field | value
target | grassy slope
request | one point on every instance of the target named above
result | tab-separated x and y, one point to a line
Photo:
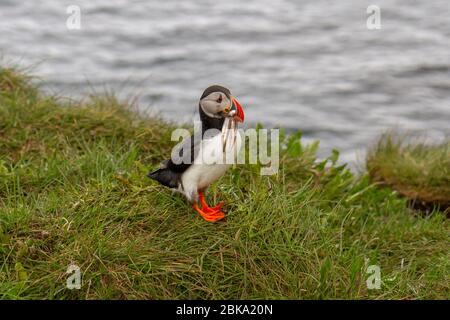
73	190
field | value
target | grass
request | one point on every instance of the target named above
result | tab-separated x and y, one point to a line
417	171
73	190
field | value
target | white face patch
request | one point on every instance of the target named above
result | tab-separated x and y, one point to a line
214	103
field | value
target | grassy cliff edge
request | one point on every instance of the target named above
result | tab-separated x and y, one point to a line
73	190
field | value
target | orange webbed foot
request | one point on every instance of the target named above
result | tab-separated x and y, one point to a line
210	216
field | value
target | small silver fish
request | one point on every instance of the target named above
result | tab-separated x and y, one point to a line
229	131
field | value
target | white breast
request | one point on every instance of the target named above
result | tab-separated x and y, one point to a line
209	165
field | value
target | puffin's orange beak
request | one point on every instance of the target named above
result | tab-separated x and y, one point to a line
239	117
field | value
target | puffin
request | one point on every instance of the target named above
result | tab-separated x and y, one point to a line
202	159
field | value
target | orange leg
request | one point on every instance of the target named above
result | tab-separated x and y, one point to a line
206	207
210	214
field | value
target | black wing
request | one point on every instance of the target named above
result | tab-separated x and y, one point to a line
169	173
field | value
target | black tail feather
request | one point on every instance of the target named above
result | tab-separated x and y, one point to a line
166	177
153	175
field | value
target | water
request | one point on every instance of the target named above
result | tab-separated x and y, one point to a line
303	65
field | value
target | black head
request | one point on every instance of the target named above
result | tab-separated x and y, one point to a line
215	105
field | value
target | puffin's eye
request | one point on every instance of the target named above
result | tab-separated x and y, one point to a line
219	99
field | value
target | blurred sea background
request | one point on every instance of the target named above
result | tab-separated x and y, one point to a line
302	65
